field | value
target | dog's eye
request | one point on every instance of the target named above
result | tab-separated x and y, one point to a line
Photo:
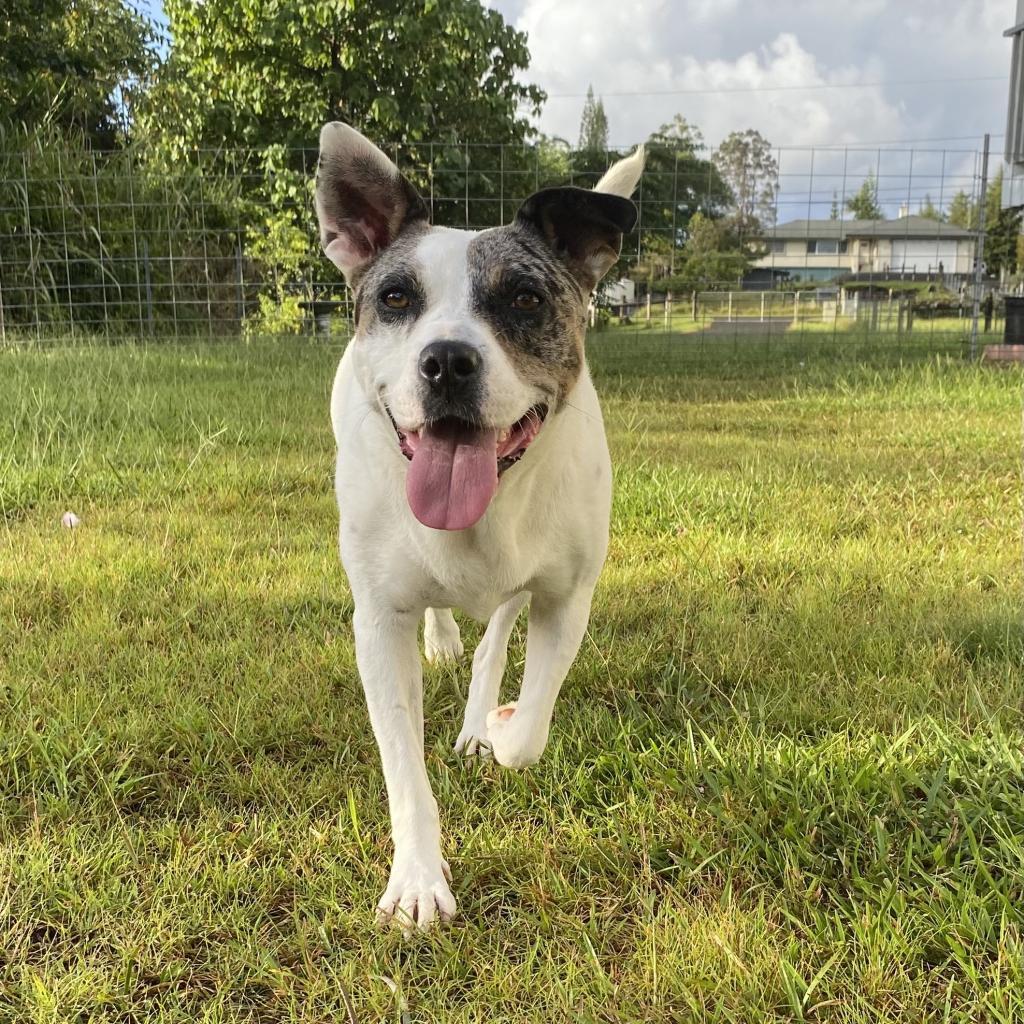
395	298
526	302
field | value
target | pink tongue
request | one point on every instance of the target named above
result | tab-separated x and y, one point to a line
453	475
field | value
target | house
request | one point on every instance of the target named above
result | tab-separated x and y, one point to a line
823	250
619	293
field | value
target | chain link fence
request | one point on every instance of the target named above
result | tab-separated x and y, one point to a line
222	243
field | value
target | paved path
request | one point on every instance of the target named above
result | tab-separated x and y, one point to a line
748	325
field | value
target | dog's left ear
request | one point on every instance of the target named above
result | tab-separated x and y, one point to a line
363	201
584	228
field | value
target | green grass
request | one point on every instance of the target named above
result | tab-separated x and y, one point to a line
786	777
805	350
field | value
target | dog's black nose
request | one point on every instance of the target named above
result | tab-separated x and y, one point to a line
449	367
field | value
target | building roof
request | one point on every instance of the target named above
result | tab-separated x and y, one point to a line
900	227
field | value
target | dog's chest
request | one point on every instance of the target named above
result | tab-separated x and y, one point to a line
478	570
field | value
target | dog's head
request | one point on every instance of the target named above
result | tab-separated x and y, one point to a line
467	341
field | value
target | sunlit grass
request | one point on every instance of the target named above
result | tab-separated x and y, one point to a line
786	777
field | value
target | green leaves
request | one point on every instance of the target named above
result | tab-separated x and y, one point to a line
80	65
864	204
747	164
254	72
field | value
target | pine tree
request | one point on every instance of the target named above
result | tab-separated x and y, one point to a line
930	210
864	204
833	214
1002	227
962	211
593	125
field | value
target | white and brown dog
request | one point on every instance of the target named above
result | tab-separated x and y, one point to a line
472	471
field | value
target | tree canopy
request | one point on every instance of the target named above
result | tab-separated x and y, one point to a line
714	258
679	182
930	210
863	204
1002	228
748	166
962	211
78	65
255	72
593	125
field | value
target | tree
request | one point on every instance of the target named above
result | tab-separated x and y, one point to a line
833	213
962	211
864	203
930	210
747	165
714	258
679	182
591	158
77	65
593	125
249	73
1002	228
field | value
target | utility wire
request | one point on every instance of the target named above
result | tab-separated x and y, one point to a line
783	88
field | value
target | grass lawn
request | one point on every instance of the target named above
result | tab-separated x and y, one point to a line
689	343
786	775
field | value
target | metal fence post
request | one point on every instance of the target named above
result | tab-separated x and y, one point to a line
102	247
979	252
67	254
149	286
31	247
241	285
206	251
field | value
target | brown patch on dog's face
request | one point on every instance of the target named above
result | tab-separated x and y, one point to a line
543	344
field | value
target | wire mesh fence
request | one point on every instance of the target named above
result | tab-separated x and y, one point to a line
135	244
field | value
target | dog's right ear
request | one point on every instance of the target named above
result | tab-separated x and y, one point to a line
363	202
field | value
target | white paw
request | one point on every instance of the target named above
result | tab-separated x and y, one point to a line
515	743
473	741
417	896
441	644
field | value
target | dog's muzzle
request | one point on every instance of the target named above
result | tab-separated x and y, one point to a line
456	463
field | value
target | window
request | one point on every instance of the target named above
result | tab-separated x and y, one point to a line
825	247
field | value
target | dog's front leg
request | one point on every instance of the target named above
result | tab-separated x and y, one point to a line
389	665
488	669
518	733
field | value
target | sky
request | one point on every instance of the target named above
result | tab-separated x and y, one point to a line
910	85
803	72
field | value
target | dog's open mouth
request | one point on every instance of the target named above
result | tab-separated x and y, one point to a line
455	466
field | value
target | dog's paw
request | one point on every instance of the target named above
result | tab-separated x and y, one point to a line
515	743
473	741
441	642
442	651
417	897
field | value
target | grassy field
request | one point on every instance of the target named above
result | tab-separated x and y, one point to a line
947	335
786	776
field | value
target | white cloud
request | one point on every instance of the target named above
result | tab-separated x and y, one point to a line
648	48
